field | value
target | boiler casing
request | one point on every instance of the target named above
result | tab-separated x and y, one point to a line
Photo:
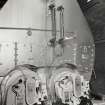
25	32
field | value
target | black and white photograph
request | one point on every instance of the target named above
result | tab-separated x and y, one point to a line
52	52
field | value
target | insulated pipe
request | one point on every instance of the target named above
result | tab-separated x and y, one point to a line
61	10
53	18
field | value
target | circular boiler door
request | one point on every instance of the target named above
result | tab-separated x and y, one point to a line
61	84
19	87
64	88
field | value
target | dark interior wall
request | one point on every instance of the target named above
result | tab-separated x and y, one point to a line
96	20
95	14
99	83
2	3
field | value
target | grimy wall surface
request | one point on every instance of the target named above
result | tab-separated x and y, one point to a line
96	20
31	46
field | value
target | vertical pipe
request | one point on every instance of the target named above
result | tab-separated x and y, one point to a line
53	18
61	25
62	37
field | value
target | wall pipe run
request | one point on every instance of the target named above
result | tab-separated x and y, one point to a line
17	28
31	29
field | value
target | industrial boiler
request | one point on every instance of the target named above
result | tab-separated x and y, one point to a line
46	53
